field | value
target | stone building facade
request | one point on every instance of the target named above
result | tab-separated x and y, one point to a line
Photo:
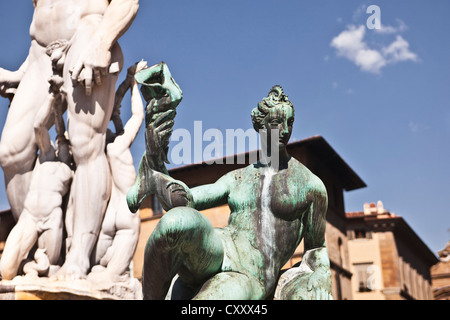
387	258
440	275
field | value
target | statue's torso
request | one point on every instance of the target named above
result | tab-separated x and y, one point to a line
285	192
268	209
59	19
120	162
49	183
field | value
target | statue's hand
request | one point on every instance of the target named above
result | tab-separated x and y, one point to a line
162	95
311	280
159	88
319	285
157	136
299	285
9	80
180	194
92	65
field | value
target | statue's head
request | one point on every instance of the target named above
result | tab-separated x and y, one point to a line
275	112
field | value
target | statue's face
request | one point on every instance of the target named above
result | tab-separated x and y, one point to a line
280	118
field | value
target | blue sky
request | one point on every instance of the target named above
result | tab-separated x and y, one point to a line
379	97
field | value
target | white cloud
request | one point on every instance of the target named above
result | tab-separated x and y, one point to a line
399	51
391	30
370	60
349	42
351	45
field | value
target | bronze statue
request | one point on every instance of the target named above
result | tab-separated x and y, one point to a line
274	205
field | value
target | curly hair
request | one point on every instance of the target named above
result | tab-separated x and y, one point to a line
275	98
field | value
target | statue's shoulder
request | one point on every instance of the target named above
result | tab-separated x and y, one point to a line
305	176
245	171
239	175
298	169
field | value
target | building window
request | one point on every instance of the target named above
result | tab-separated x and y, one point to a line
362	234
363	276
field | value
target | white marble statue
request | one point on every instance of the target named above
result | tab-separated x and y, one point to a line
88	31
41	220
120	229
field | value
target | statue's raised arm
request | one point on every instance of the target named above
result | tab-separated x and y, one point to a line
162	95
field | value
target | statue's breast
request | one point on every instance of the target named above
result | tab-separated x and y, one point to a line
288	195
283	193
244	193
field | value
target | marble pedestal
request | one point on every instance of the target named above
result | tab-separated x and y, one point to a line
25	288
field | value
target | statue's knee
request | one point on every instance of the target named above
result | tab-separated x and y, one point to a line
179	225
174	221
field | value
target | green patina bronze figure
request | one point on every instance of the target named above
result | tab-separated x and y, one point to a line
274	204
